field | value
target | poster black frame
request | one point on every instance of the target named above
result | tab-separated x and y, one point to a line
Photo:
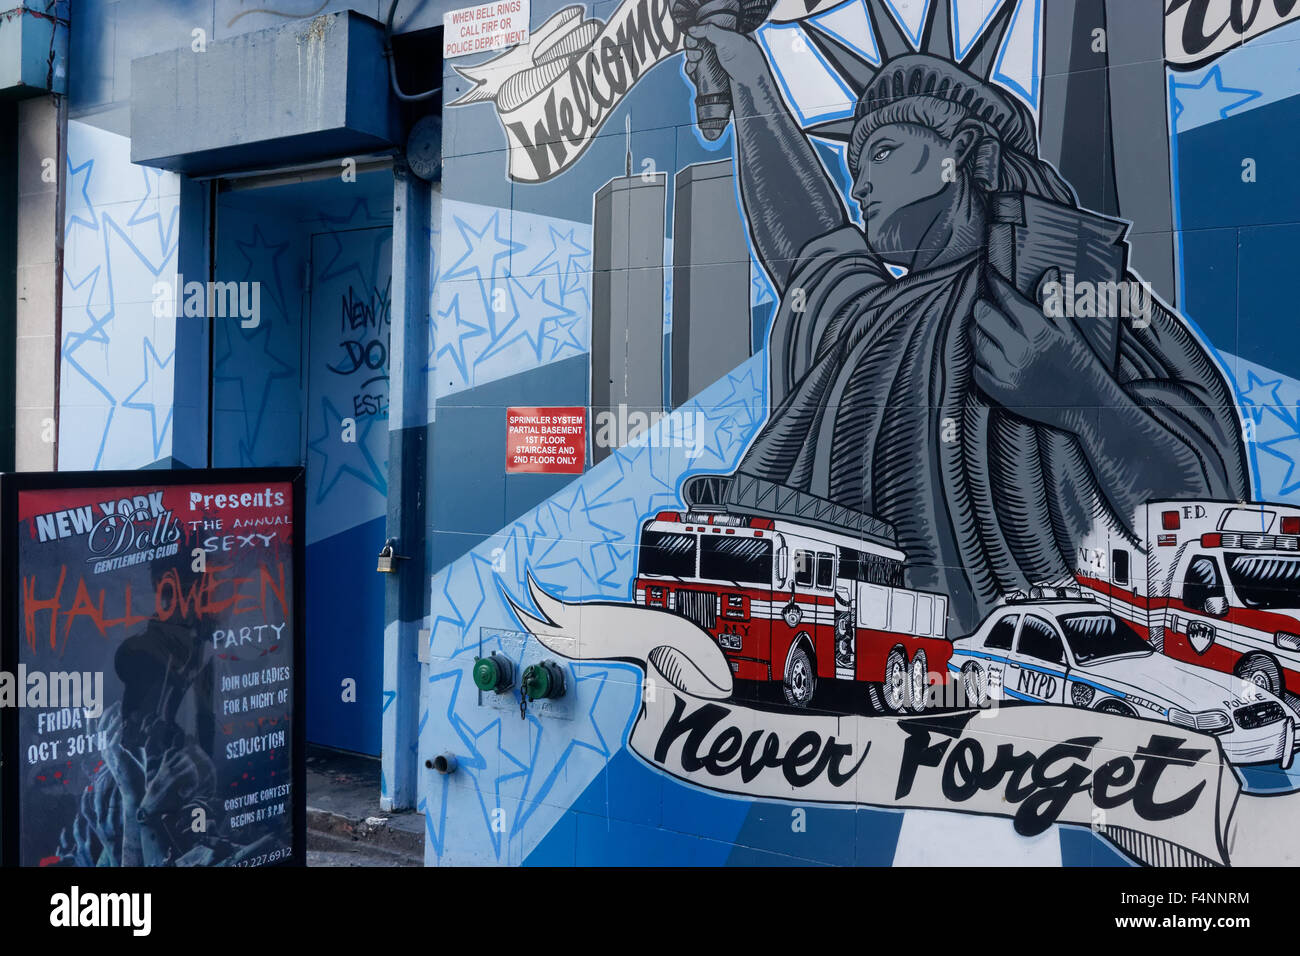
11	484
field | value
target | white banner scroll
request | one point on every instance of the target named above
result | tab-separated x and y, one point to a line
1164	795
554	93
1198	31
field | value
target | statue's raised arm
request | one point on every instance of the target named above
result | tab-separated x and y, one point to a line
789	199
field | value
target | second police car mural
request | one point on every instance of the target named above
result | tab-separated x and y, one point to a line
993	544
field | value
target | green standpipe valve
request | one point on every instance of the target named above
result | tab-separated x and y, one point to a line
493	673
541	682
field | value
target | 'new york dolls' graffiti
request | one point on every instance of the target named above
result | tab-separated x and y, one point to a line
365	322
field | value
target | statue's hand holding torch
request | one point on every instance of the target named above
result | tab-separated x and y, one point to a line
718	49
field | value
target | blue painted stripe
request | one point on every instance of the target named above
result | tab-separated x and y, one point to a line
1101	687
1041	670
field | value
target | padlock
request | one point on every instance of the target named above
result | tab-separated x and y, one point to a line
388	557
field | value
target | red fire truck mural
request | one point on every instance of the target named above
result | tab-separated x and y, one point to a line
1214	583
799	601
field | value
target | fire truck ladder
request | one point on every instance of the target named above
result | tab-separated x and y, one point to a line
746	494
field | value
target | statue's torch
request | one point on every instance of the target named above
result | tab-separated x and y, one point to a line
712	85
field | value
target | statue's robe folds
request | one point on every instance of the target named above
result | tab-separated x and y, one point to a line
874	406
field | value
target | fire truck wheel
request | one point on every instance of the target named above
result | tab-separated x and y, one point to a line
800	678
894	687
1262	670
917	682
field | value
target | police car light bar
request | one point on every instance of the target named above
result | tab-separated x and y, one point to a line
1040	593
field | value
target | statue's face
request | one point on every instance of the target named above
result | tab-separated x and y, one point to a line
902	183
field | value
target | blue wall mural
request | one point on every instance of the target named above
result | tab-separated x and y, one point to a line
740	231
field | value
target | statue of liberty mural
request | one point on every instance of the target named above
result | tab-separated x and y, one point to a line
987	427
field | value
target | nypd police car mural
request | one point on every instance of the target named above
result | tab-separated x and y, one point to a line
1075	653
972	524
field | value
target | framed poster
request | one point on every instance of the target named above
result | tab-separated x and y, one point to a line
152	705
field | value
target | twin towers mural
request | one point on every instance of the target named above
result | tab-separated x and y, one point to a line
994	548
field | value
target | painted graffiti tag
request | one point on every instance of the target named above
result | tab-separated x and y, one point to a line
364	323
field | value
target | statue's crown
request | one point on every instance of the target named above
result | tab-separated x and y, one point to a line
930	69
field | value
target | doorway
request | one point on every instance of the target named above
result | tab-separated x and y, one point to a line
346	407
307	384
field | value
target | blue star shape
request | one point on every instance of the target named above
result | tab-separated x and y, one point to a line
352	458
359	216
1212	97
254	374
166	233
1262	396
114	238
440	696
576	285
565	251
487	742
531	318
564	333
586	736
345	227
80	208
150	360
477	242
263	256
452	329
95	331
1290	483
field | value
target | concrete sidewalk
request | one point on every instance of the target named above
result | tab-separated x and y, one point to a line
344	824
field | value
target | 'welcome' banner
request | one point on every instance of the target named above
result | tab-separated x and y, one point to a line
554	93
1197	31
